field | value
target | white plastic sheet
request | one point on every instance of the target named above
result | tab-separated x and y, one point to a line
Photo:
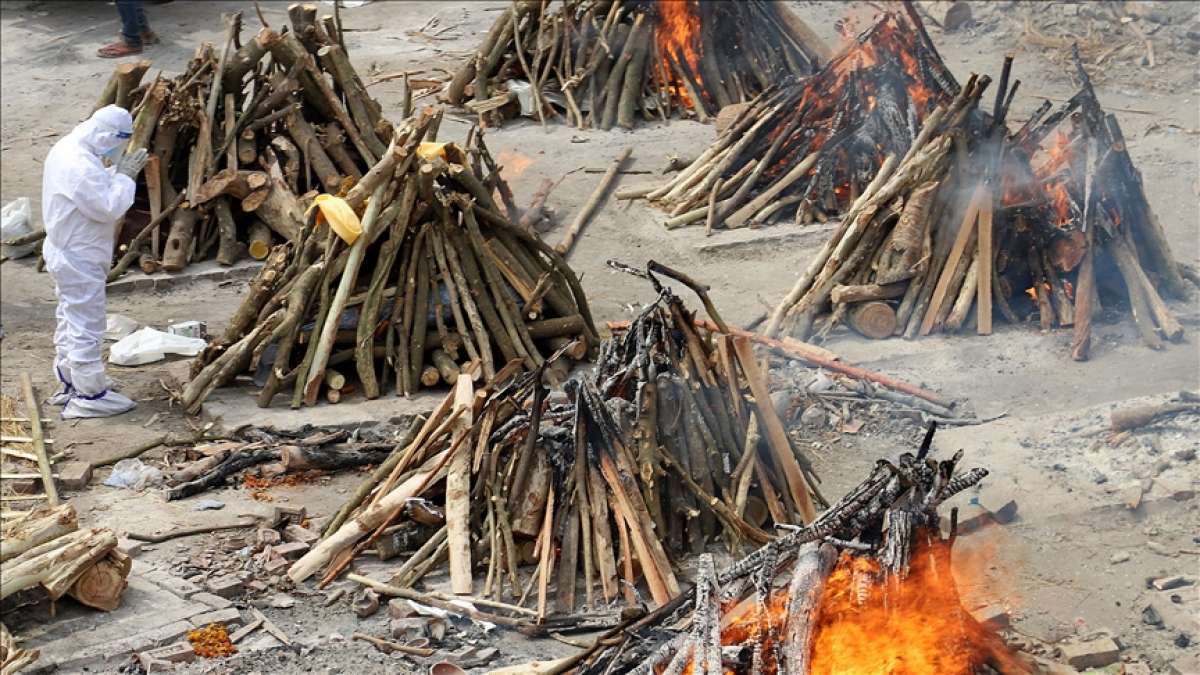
149	345
118	326
14	222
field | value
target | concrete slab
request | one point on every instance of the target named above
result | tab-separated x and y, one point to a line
233	407
207	270
145	608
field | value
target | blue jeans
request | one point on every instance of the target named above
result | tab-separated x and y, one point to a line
133	21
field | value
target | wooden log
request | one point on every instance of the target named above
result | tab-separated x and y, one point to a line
777	438
101	585
346	284
176	253
1126	419
42	524
57	564
965	230
258	240
366	521
557	327
1167	323
865	292
306	139
458	493
231	182
445	366
589	207
814	562
740	217
278	208
983	300
466	73
37	439
333	58
638	42
966	297
876	320
334	143
333	457
244	60
127	76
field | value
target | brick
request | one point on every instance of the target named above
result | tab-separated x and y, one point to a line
213	601
276	564
224	586
399	608
288	514
153	665
168	633
291	550
267	537
74	475
221	616
1092	654
178	652
296	533
181	587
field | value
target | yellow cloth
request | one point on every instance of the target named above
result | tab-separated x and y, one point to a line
428	151
339	215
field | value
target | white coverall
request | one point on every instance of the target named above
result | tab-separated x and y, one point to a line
81	202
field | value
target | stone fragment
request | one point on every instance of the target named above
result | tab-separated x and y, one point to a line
1091	654
73	475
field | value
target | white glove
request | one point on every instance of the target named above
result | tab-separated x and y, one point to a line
132	163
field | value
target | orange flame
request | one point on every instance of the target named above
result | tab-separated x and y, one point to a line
678	38
908	626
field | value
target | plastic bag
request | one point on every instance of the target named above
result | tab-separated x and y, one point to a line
118	327
134	475
149	345
14	222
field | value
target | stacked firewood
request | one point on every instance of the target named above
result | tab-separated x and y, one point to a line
242	140
878	538
605	62
972	216
671	443
440	282
45	554
814	143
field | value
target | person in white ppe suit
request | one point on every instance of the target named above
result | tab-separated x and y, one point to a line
81	203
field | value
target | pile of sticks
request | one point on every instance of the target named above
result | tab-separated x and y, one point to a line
671	443
972	215
742	619
45	554
212	462
242	140
815	143
439	282
605	62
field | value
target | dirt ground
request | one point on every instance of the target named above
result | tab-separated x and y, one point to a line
1075	560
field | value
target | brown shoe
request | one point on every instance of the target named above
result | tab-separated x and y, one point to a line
150	38
118	49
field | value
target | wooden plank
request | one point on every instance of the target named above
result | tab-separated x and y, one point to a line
983	292
768	420
956	252
39	447
458	494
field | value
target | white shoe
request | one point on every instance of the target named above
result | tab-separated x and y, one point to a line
105	404
66	391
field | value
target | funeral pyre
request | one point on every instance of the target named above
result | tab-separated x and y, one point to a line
434	281
241	142
944	212
603	63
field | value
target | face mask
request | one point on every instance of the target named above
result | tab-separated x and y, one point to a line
112	154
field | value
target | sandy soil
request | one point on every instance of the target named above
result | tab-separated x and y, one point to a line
1054	566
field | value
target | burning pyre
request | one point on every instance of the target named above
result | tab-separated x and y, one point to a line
602	63
814	143
867	588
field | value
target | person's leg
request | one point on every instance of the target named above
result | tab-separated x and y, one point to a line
147	36
132	20
84	296
62	350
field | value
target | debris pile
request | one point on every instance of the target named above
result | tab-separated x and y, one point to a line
603	63
434	281
242	141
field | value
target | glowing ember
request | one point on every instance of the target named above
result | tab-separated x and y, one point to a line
912	626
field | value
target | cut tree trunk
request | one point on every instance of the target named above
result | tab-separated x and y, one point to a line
101	585
43	524
57	564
